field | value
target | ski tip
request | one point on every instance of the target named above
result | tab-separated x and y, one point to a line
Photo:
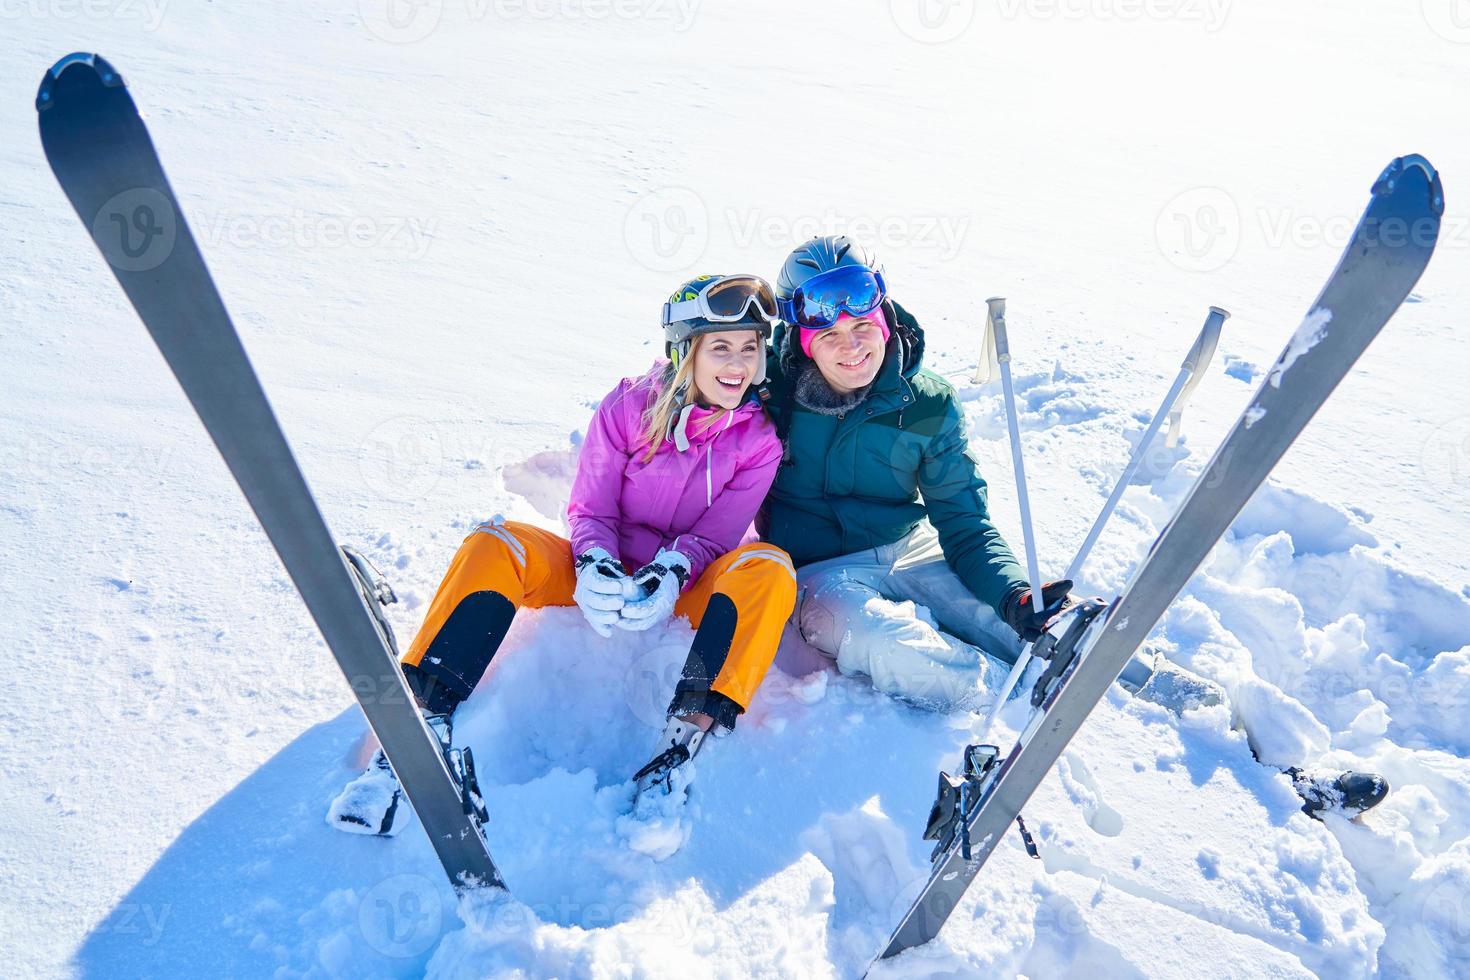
79	69
1414	167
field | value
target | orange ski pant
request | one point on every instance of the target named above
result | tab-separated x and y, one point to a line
738	606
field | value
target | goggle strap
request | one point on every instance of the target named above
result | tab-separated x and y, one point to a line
681	427
685	309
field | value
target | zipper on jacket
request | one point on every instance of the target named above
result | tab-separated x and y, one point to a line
709	456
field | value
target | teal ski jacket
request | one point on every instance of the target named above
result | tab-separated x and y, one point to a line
866	478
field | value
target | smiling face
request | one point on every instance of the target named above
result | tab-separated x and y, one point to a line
849	353
724	366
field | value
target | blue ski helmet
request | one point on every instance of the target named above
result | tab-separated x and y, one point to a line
822	254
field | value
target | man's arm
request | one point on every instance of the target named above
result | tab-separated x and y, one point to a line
955	496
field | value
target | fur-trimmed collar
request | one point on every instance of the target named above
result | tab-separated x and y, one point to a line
813	393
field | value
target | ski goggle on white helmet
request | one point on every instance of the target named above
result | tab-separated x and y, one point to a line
726	300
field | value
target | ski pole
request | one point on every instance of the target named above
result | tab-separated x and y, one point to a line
996	315
996	330
1172	407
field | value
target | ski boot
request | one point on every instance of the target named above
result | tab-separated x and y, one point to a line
680	742
1329	791
461	764
371	803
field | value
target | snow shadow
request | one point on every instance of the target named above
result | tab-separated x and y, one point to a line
259	883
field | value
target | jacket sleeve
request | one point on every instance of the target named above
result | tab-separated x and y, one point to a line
593	513
955	497
730	514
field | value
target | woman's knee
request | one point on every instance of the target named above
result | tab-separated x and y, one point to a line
764	570
497	541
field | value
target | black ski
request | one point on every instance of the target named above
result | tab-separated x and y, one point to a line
101	153
1388	252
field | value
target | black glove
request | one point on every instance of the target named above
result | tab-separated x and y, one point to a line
1028	624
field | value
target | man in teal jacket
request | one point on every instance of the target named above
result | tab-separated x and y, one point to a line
879	501
882	508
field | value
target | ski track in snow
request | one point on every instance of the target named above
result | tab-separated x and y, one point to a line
179	729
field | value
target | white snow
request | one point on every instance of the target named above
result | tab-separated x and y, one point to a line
445	233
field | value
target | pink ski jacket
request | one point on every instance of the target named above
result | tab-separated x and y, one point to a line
698	502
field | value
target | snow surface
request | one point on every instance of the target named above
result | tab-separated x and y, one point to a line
443	235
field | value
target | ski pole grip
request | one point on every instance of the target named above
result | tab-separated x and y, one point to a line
1195	361
995	309
1203	350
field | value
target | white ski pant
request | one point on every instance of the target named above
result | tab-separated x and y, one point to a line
899	615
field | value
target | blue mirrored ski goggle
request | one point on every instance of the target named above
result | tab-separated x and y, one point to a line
817	303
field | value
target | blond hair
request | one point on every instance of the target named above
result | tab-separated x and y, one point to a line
667	404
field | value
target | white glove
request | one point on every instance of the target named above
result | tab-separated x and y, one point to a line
657	586
600	586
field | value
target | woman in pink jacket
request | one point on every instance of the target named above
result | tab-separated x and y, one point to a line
673	469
